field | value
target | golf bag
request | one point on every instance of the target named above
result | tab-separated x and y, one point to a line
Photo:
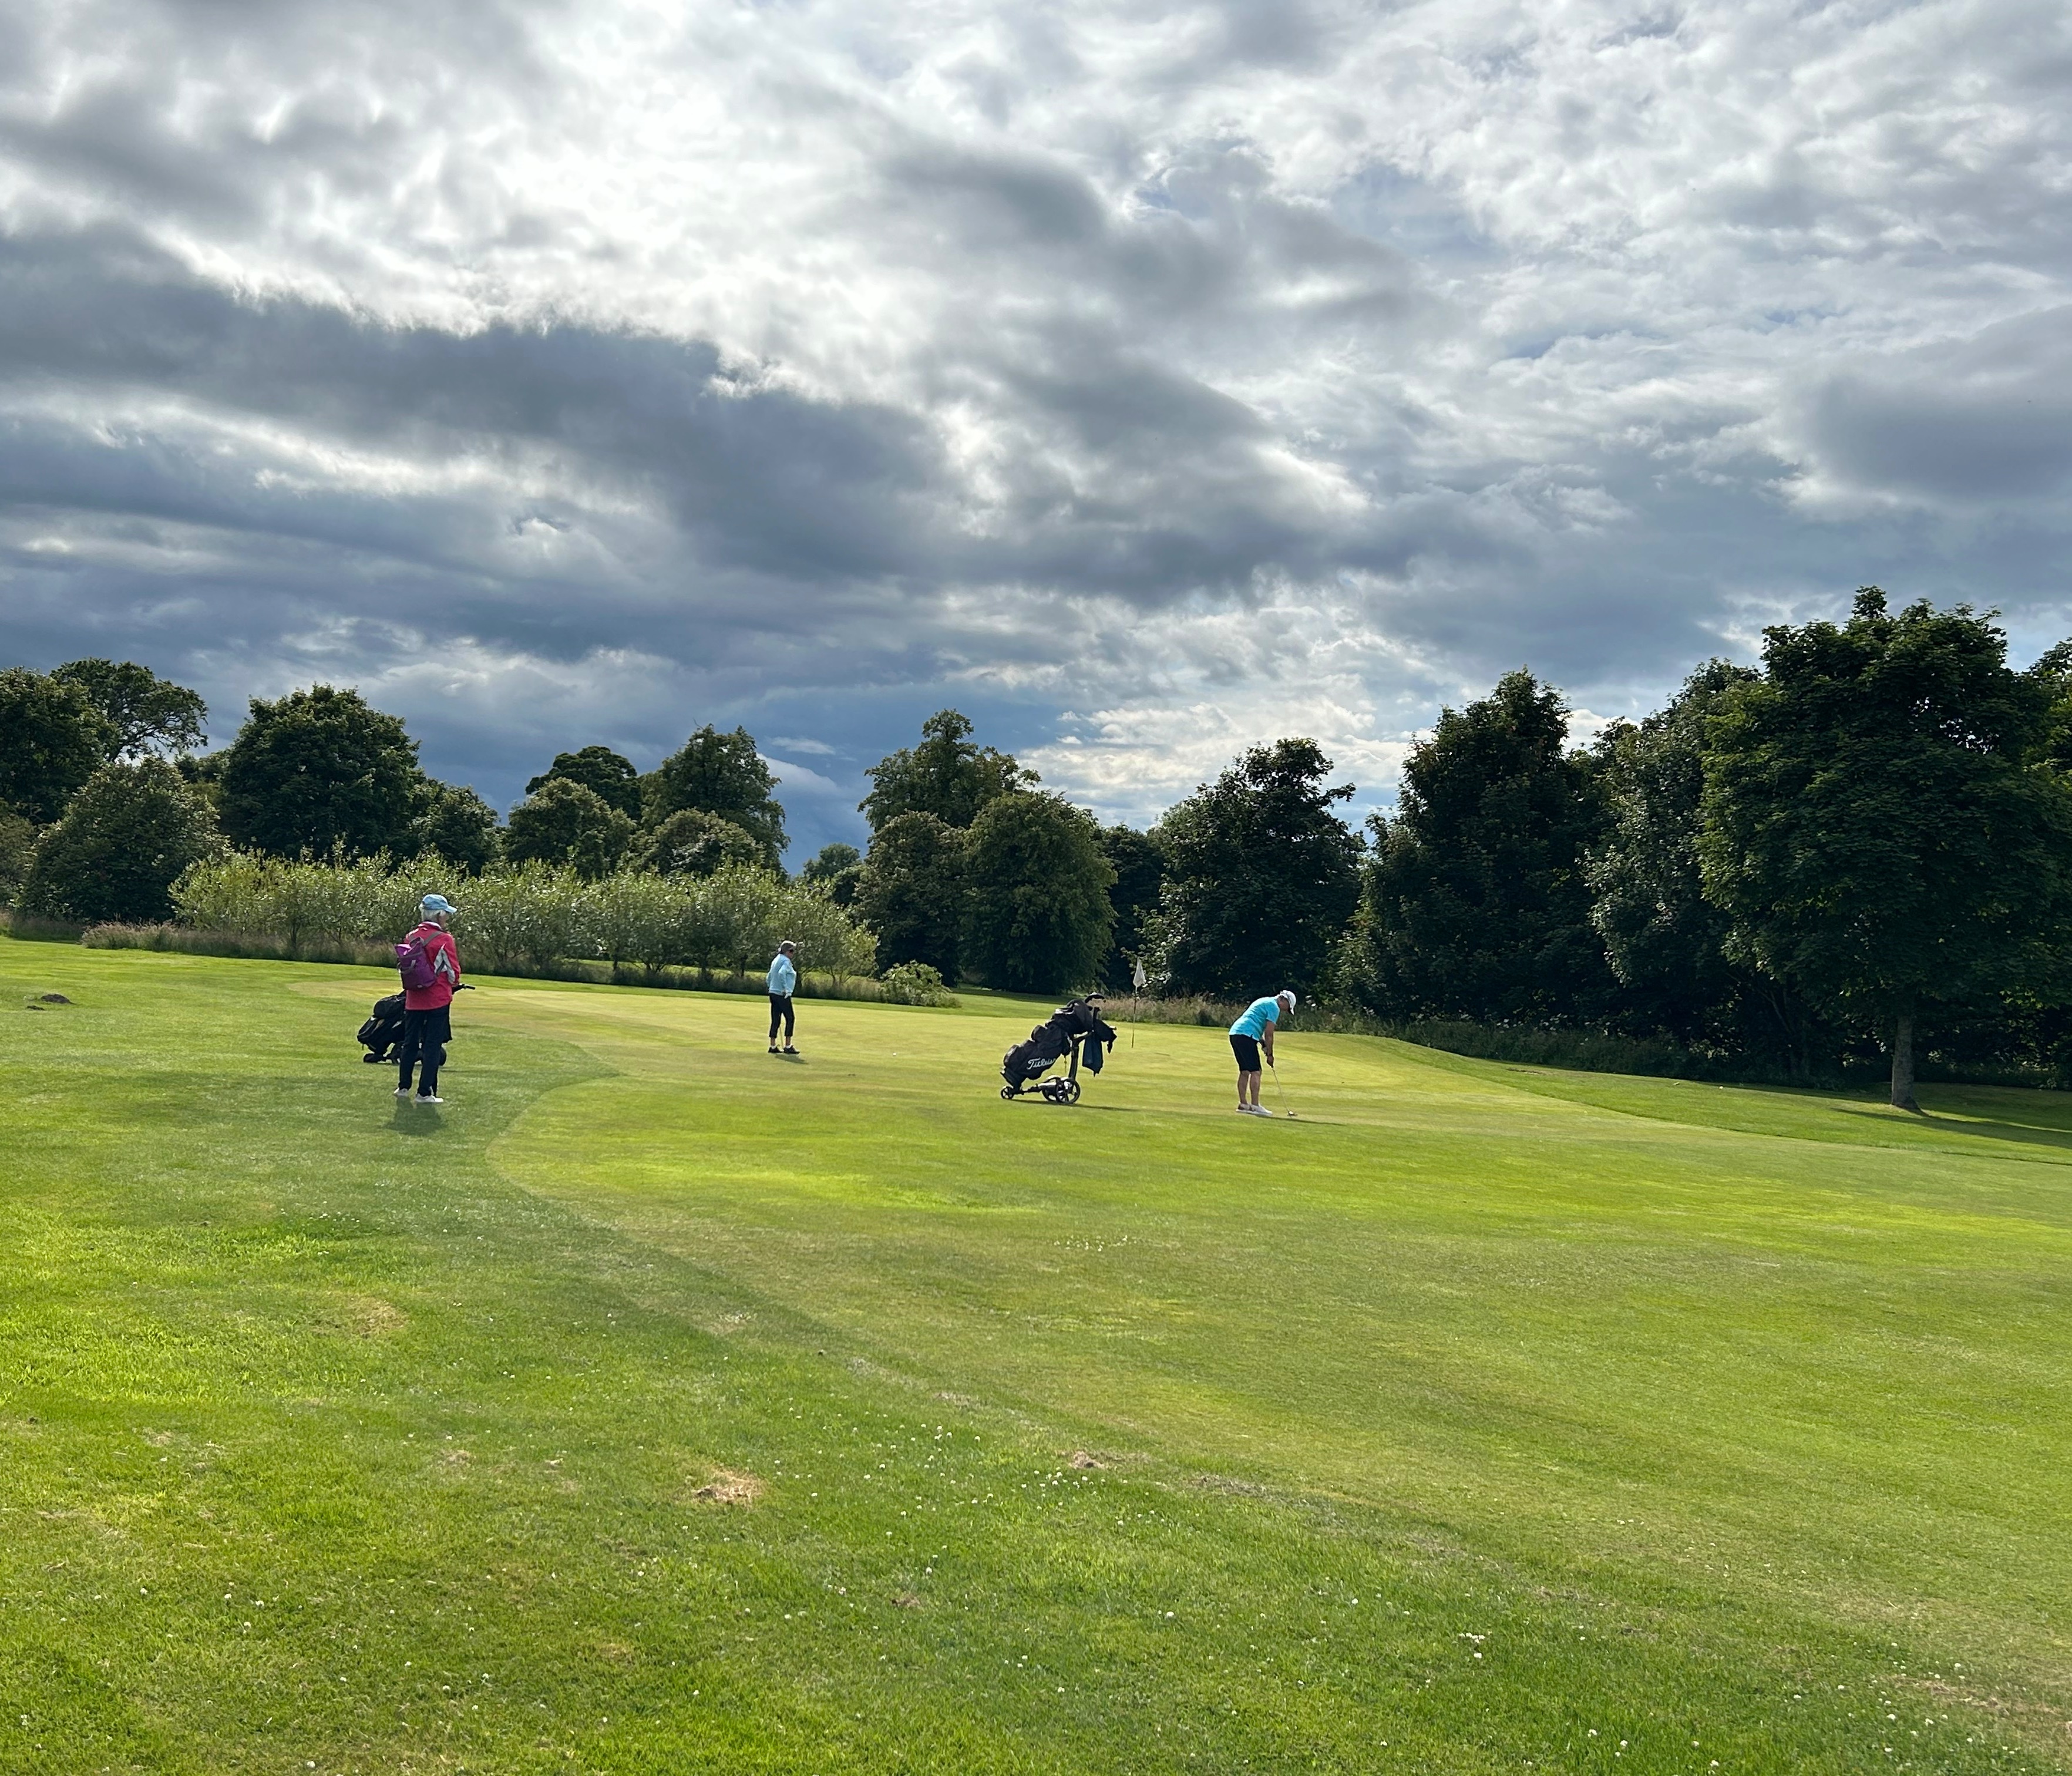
1076	1030
383	1030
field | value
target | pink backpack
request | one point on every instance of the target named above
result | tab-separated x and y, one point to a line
414	962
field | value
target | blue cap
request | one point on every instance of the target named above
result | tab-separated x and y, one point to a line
436	906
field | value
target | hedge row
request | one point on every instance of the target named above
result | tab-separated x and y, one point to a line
528	917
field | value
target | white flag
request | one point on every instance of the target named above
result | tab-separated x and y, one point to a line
1139	979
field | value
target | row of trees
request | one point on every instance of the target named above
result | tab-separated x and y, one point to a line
104	798
1792	865
1868	835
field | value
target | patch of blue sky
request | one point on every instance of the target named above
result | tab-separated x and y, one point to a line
1416	217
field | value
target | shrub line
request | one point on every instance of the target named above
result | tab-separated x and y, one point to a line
360	953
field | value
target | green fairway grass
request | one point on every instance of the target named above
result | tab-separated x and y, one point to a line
659	1405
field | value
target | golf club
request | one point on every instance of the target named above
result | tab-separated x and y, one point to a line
1279	1096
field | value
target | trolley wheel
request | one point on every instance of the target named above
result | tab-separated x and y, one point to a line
1008	1091
1068	1092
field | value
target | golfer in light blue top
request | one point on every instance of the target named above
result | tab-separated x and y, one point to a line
783	980
1249	1036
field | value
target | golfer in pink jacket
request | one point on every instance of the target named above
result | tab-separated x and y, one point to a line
427	1021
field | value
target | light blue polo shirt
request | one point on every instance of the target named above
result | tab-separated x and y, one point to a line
1257	1016
784	977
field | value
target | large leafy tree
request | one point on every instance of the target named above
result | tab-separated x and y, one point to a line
1884	824
1667	943
564	823
1037	916
144	712
319	772
723	775
1140	874
18	845
456	825
125	838
1261	875
837	870
53	737
946	775
692	842
912	892
1475	904
609	774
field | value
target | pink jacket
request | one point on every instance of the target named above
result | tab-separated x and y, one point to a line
445	963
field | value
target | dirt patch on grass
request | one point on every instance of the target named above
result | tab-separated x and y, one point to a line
362	1316
729	1486
1230	1484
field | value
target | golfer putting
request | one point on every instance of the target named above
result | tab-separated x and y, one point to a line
1251	1037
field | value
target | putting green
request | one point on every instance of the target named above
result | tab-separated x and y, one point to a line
662	1405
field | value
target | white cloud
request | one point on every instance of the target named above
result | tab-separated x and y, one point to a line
1156	380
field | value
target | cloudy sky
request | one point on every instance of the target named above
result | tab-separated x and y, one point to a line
1144	380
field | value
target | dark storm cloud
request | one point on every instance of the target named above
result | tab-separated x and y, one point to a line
1137	480
1983	420
766	479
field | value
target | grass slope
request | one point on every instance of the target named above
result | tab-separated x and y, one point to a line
658	1406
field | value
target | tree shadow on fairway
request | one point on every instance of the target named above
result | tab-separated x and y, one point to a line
1982	1127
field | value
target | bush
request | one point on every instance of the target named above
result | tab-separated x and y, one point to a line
128	836
245	946
518	919
915	984
275	897
531	917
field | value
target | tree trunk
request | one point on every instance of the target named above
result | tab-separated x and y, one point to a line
1902	1062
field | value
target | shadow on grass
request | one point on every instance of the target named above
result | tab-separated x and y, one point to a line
413	1119
1974	1118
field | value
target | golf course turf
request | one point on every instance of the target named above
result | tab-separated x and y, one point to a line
659	1405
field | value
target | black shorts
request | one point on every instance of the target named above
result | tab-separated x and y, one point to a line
1247	1051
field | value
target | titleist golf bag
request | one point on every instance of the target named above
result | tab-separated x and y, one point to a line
1075	1030
383	1030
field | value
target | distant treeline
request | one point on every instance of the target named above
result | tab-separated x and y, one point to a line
1859	850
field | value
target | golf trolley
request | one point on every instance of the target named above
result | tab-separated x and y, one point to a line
1070	1032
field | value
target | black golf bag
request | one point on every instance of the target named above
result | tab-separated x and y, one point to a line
1076	1030
383	1030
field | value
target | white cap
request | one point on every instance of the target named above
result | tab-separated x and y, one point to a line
1288	994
